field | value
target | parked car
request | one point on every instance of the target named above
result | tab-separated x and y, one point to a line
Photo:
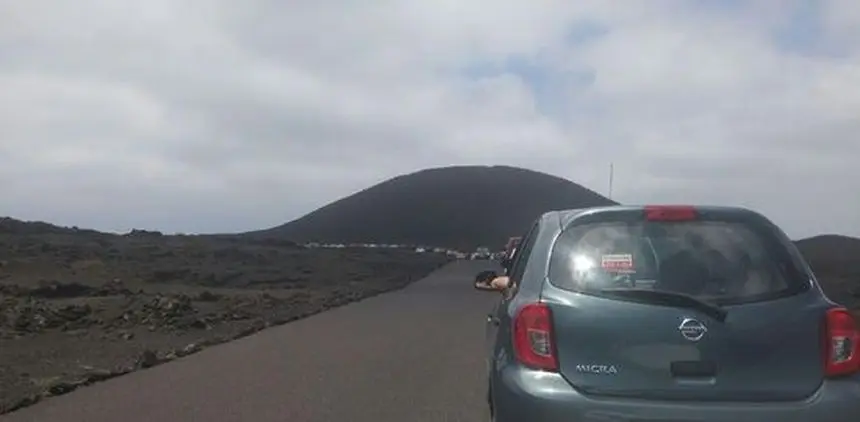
667	313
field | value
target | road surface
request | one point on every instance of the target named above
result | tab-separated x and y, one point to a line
411	355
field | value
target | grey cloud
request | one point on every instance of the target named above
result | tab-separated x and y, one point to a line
219	116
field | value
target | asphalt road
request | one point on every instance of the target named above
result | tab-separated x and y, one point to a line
412	355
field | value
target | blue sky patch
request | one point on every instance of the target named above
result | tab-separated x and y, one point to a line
551	88
585	31
545	83
804	32
719	5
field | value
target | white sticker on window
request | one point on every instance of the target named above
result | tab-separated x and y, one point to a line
619	263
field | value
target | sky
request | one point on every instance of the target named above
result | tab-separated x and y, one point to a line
223	116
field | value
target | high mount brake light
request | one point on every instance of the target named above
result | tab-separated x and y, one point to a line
534	340
670	213
841	340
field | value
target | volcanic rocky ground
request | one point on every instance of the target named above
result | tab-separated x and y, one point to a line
78	306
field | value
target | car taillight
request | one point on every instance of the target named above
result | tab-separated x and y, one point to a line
534	342
670	213
841	340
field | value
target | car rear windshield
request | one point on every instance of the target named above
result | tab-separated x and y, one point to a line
724	262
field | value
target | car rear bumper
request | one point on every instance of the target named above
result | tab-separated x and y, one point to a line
522	395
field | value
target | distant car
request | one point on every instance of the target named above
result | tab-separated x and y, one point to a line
482	253
668	313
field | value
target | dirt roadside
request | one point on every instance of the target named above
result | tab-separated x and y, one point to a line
78	307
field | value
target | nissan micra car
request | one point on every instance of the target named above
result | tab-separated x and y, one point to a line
667	314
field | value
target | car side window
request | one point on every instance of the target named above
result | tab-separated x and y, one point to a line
522	255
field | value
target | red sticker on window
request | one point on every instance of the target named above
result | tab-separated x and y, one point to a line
617	262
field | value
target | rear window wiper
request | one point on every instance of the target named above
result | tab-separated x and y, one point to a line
662	297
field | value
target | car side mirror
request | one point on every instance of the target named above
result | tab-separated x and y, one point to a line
506	263
483	279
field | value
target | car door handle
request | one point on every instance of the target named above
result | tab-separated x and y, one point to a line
492	320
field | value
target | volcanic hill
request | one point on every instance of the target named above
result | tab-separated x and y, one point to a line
460	207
